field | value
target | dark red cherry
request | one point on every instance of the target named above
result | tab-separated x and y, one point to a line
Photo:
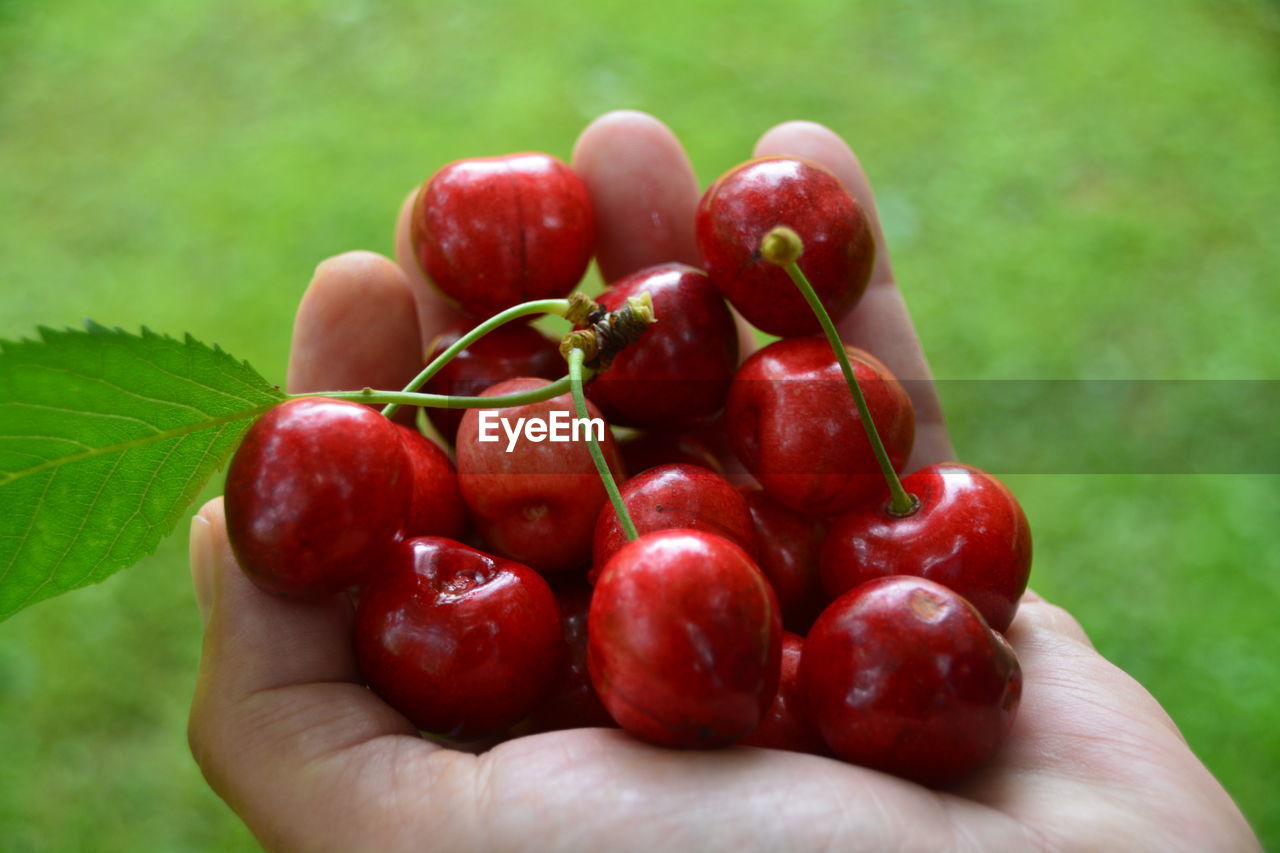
316	495
677	373
435	508
788	545
786	726
536	504
674	496
684	640
644	450
969	534
462	643
514	349
496	231
903	675
793	423
745	203
573	704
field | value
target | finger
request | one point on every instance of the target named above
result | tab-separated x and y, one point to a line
278	711
435	314
643	190
1036	614
355	327
880	323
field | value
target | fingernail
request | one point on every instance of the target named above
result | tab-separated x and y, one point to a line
202	556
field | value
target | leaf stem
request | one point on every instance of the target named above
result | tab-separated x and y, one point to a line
369	396
575	357
782	247
524	309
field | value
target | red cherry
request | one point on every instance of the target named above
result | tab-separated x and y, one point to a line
903	675
792	422
511	350
316	495
496	231
969	534
677	373
435	508
684	640
644	450
787	548
573	703
537	504
674	496
462	643
786	726
748	201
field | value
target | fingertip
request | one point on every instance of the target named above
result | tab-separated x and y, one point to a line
355	327
643	190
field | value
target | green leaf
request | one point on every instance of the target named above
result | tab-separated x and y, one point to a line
105	439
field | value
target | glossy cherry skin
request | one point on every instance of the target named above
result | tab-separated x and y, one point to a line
684	640
786	726
462	643
573	704
644	450
435	505
788	545
793	423
748	201
903	675
538	504
677	373
492	232
674	496
514	349
316	495
969	535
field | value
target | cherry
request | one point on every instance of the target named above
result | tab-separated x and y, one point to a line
750	199
644	450
492	232
903	675
677	373
573	703
316	495
537	504
792	423
674	496
968	534
788	545
462	643
435	508
514	349
786	726
684	639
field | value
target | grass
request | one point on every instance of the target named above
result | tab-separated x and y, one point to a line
1069	193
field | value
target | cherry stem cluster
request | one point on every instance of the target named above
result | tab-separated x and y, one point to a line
564	307
575	357
370	397
782	247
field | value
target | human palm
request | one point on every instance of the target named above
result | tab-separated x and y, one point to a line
311	760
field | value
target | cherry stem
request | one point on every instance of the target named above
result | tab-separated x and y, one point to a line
524	309
369	396
783	247
575	357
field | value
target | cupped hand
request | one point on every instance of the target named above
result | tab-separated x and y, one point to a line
285	732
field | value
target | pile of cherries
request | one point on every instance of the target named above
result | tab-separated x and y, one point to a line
802	605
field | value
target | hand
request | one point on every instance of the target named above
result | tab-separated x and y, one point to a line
310	759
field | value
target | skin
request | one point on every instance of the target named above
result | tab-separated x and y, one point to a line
312	761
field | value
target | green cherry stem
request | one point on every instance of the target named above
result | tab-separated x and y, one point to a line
370	397
575	357
782	247
524	309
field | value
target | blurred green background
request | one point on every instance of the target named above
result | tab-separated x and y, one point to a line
1070	190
